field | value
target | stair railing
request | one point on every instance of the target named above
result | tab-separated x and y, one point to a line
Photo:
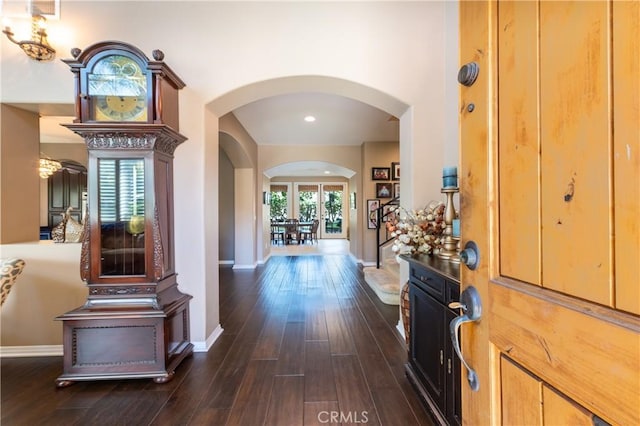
383	214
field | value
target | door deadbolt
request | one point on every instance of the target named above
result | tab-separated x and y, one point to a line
470	256
468	73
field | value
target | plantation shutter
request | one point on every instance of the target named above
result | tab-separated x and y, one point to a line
279	188
121	189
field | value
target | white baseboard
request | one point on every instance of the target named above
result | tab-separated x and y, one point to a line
364	264
206	345
236	266
263	261
30	351
225	262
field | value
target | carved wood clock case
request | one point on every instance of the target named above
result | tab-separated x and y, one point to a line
135	322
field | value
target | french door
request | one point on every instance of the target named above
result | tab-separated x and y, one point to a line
325	202
550	194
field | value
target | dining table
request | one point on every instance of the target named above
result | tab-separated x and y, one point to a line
286	230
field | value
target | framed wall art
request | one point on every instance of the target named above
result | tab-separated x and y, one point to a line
395	171
380	173
389	213
384	190
372	213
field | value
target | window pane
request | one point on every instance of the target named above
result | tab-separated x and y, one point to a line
121	212
333	208
308	204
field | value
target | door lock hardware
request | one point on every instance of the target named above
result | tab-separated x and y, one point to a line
471	311
470	256
468	73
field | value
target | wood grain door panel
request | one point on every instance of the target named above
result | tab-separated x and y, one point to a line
550	193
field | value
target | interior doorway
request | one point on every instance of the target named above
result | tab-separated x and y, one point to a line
325	202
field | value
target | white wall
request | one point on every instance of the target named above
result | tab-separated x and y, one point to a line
226	219
392	55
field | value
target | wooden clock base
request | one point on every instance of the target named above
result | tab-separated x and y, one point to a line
125	342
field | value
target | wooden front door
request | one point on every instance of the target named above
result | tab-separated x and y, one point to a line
550	192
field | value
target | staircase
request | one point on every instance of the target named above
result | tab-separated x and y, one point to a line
385	281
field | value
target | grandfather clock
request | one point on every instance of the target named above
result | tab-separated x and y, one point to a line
135	322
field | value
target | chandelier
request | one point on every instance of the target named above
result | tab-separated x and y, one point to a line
38	47
48	167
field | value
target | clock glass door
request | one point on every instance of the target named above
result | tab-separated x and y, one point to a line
122	221
117	88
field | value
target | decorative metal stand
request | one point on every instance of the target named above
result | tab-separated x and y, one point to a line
449	249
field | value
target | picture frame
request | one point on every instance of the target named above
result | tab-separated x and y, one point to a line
395	171
352	201
372	213
384	190
380	173
396	190
388	213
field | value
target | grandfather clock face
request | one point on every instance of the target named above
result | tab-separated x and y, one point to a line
117	89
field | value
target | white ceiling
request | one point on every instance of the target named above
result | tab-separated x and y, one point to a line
279	120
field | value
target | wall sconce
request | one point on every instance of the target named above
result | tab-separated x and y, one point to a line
47	167
38	47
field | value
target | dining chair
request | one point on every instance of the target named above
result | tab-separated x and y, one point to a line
310	232
291	231
277	232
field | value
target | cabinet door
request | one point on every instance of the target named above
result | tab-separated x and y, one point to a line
428	330
65	190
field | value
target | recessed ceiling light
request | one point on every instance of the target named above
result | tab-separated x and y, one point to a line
327	172
309	119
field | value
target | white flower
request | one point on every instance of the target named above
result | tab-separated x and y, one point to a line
418	231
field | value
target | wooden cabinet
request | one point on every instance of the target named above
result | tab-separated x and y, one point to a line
66	188
433	367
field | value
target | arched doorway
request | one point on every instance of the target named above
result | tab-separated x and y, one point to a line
255	238
328	85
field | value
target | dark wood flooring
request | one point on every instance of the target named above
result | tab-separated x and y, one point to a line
305	342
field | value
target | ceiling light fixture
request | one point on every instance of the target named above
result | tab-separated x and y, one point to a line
327	172
38	47
47	167
309	119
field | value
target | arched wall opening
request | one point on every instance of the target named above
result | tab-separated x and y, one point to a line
254	180
224	105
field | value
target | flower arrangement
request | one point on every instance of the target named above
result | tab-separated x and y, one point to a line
417	231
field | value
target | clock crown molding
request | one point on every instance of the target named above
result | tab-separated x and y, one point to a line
116	82
158	137
82	58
